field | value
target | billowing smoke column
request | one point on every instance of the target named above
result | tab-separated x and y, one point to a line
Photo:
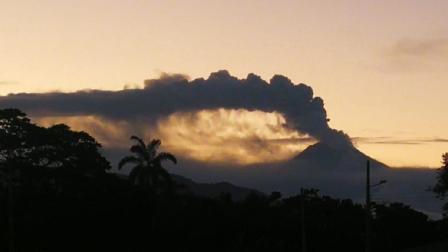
174	93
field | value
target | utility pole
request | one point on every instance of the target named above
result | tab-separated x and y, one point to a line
11	247
302	217
368	244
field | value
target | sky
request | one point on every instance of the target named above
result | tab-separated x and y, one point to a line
380	66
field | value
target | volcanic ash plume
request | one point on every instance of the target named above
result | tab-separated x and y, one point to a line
175	93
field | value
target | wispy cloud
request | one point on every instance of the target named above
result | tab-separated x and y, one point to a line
417	54
398	141
220	136
421	47
440	140
4	82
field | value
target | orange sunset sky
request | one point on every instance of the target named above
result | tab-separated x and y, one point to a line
380	66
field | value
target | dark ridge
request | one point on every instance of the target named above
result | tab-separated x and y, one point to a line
211	190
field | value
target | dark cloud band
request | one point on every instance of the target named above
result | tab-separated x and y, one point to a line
175	93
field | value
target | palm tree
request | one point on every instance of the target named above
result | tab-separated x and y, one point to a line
148	171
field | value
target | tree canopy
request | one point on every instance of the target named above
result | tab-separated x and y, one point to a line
441	187
32	154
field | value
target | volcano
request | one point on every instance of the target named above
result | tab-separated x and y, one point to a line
324	156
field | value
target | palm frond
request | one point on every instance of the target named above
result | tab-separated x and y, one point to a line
153	146
139	141
162	156
139	151
128	159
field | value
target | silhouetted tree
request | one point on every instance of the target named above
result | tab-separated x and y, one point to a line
275	196
148	171
37	156
16	137
441	187
397	225
36	162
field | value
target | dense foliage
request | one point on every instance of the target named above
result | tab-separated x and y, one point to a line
64	200
441	188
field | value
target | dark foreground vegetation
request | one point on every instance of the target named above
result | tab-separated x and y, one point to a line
56	195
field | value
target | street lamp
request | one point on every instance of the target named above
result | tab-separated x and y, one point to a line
379	183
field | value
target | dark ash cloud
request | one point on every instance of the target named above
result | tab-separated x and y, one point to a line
175	93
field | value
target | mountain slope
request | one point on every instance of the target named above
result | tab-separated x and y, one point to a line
214	189
326	157
210	190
